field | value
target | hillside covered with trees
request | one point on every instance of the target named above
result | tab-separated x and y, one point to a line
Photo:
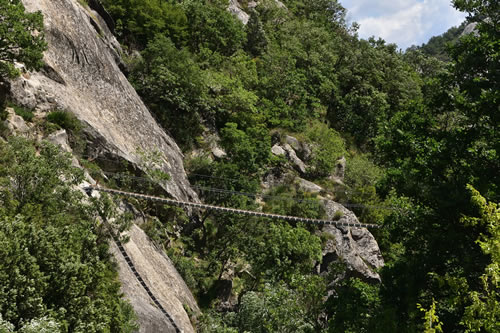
419	132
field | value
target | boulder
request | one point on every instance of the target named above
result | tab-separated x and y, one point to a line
340	168
235	9
14	123
60	138
293	142
218	152
292	157
278	150
308	186
301	148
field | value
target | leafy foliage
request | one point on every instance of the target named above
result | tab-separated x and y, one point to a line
139	21
21	38
328	147
172	83
414	130
482	311
55	269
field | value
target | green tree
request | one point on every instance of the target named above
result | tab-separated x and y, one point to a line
256	36
284	252
482	312
249	149
212	27
173	86
54	259
139	21
276	309
21	38
327	147
354	307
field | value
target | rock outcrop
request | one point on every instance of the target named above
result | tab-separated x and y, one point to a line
14	123
236	9
356	248
293	158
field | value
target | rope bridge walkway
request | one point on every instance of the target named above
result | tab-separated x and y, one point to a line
229	210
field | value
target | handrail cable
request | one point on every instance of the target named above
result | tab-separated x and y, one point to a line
202	175
229	210
248	194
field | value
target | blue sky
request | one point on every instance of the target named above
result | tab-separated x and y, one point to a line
404	22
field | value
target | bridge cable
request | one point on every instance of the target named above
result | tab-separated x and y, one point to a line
230	210
248	194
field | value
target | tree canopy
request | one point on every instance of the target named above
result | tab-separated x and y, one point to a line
21	37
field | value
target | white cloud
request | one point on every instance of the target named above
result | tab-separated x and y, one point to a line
404	22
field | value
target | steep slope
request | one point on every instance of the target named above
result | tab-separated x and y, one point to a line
82	76
165	283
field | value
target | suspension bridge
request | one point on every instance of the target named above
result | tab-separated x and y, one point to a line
229	210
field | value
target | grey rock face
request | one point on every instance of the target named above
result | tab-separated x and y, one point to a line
218	152
15	123
355	247
60	138
340	168
235	9
82	76
470	29
301	148
293	142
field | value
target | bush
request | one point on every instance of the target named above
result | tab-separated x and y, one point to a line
23	112
328	147
55	264
66	120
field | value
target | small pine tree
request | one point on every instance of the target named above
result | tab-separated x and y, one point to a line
256	36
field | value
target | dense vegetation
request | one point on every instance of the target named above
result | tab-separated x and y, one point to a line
56	274
416	128
437	45
419	134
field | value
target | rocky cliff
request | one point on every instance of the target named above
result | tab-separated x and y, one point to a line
82	76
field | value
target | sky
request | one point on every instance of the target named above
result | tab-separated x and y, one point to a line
404	22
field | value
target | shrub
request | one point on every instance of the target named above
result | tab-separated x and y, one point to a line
66	120
23	112
328	147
